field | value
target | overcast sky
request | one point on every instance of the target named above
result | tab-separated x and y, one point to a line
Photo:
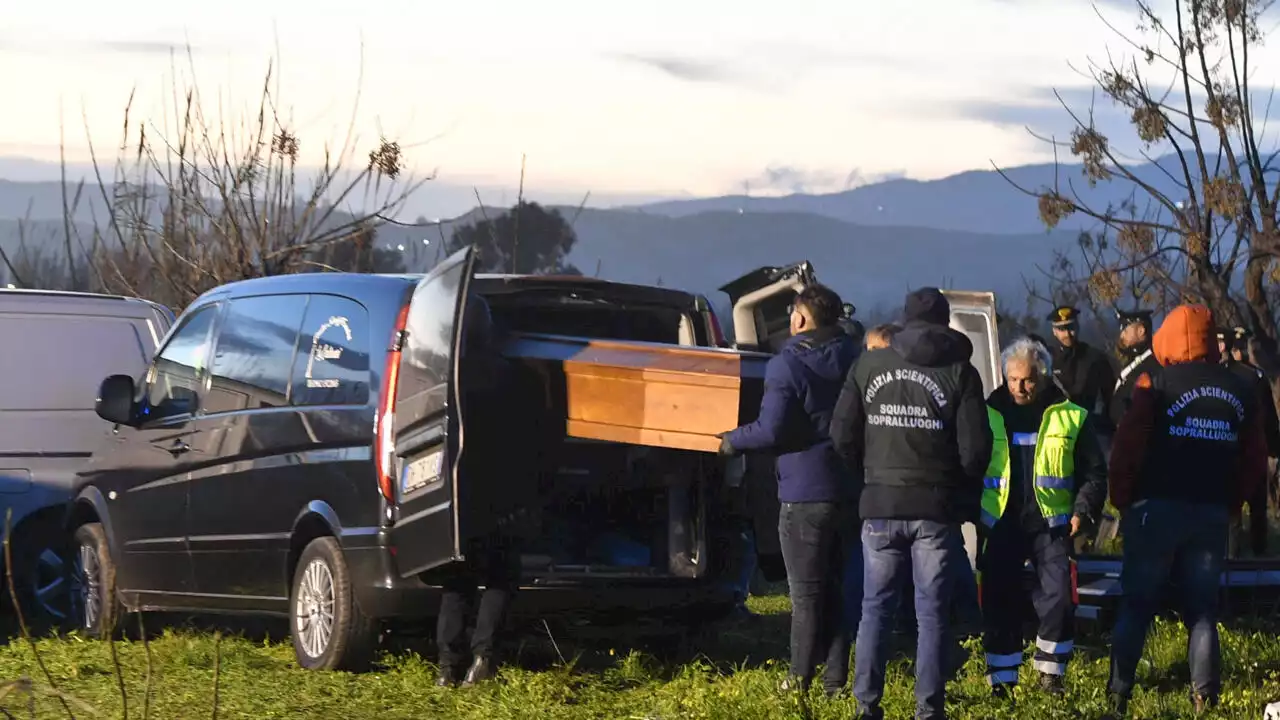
663	97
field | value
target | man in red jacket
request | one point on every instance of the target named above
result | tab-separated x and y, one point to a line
1188	452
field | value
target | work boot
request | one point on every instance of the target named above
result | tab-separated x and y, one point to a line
1117	707
448	676
481	669
1052	684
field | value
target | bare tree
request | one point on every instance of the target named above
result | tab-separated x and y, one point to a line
1185	82
192	203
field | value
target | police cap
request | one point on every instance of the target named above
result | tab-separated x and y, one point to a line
1063	316
1133	317
1241	333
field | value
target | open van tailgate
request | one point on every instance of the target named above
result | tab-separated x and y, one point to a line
639	393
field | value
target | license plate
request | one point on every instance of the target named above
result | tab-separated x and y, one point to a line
421	472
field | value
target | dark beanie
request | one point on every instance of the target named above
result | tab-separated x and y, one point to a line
927	305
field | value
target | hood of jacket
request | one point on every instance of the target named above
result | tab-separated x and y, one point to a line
1187	335
826	352
930	345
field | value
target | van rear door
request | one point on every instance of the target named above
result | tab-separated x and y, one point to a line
974	314
760	301
427	429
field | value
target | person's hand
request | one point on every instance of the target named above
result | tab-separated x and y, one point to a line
726	447
1075	525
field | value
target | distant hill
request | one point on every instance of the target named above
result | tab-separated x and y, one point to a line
981	201
868	265
971	230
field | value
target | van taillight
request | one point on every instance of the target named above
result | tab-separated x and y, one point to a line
384	444
717	334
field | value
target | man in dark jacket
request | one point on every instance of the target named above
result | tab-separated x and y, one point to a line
1190	450
817	490
912	418
1238	342
1135	346
500	410
1083	371
1047	480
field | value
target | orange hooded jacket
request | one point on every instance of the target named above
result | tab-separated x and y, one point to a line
1187	335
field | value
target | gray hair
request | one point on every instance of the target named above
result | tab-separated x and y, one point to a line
1028	350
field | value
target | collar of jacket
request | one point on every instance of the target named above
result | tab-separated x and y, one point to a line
817	337
1002	401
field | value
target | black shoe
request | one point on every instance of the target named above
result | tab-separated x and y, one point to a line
1117	708
837	693
1052	684
448	676
1003	691
481	670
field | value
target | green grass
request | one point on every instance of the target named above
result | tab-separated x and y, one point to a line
737	679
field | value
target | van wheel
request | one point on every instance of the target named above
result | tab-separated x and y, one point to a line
42	580
94	606
329	630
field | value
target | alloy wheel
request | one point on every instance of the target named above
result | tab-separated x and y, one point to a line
85	592
314	608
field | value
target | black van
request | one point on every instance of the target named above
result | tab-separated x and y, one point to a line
259	465
54	349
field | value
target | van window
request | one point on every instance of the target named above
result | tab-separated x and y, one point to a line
430	328
175	380
254	352
55	362
331	365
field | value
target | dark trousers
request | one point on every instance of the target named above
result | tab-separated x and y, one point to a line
1168	540
1258	520
1006	548
497	568
893	550
815	538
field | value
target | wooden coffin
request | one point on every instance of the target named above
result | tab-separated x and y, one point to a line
637	393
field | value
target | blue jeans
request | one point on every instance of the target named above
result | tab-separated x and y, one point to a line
1169	540
893	550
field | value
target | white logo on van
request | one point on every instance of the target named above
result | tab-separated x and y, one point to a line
325	352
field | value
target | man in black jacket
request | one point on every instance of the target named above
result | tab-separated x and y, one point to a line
1238	343
501	413
912	418
1083	371
1135	345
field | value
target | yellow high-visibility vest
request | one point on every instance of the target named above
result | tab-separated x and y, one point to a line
1054	468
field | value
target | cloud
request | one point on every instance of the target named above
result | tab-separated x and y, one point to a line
1039	111
142	47
685	68
114	47
786	178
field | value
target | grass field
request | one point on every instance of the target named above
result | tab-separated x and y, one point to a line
736	678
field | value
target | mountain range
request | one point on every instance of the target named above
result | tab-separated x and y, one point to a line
973	230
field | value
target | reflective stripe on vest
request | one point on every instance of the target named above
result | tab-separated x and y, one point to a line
1053	469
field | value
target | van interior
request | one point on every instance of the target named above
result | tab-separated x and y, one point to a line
612	510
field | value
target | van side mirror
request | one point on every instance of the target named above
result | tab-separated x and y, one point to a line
115	400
